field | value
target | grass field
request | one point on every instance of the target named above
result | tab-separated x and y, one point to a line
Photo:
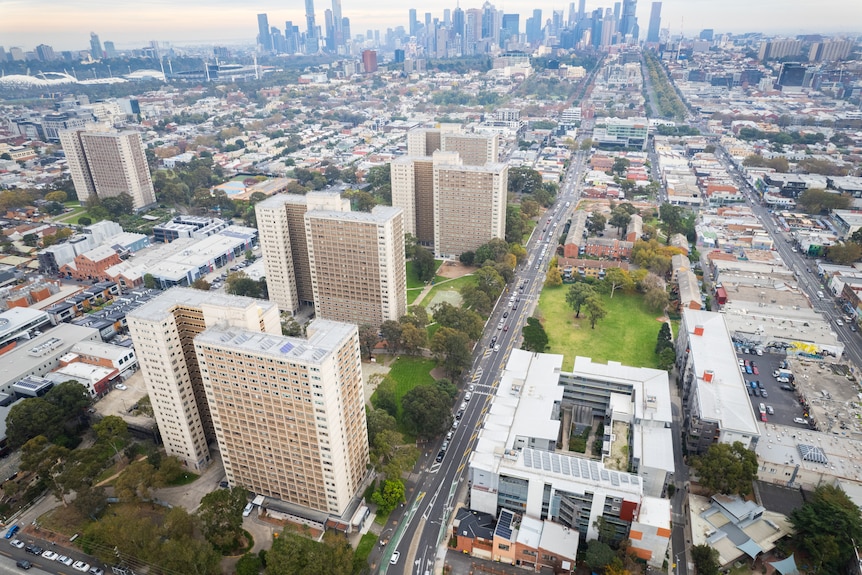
413	280
627	334
364	547
446	285
410	372
72	217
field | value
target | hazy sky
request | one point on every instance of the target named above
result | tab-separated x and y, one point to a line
66	24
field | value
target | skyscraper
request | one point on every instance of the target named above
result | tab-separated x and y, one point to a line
654	23
369	61
365	283
628	20
414	23
288	412
108	164
311	27
45	53
337	23
534	27
263	38
582	10
511	28
95	46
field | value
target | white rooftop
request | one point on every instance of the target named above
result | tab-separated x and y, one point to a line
161	306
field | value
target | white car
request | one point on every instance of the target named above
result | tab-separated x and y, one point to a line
81	566
64	560
247	510
121	387
17	543
395	557
49	555
800	421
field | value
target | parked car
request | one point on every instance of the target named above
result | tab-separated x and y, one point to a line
800	421
440	455
81	566
769	410
121	387
49	555
248	509
67	561
34	549
17	543
23	564
787	387
12	531
395	557
755	370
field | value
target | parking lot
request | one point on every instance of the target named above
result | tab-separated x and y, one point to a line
784	403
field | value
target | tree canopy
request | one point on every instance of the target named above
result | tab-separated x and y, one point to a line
535	337
726	468
427	410
818	201
827	527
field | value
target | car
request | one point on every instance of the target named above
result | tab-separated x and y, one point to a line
506	327
12	531
755	371
748	369
763	393
493	341
455	424
750	391
395	557
440	455
34	549
786	387
64	560
246	511
839	323
445	446
459	415
467	396
741	362
820	294
17	543
23	564
96	571
497	347
505	314
769	410
471	387
223	484
121	387
500	325
81	566
853	327
49	555
449	434
782	379
515	307
763	417
800	421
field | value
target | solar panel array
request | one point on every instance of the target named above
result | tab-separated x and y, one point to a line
574	467
504	525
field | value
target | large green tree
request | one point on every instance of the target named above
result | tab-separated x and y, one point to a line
220	516
427	410
727	468
828	526
452	349
293	554
463	320
705	559
535	337
424	264
577	295
596	310
817	201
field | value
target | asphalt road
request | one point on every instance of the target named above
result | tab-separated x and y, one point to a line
422	528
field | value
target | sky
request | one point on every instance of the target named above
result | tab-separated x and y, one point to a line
66	24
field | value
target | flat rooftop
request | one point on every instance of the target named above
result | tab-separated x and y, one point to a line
162	306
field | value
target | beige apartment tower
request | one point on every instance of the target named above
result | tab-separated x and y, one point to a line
358	265
281	226
163	331
108	164
469	205
412	183
288	412
474	149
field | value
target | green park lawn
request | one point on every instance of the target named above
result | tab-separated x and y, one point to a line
409	372
627	334
443	284
413	280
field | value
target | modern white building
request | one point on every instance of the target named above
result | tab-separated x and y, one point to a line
715	399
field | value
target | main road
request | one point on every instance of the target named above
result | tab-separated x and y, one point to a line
420	535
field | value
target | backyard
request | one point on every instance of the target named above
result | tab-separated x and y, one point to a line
627	334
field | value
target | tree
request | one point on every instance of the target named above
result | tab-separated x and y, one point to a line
237	283
492	251
427	410
294	554
452	350
367	339
413	338
578	294
817	201
475	299
656	299
249	564
390	494
616	278
58	196
516	224
424	264
596	310
529	207
136	481
524	180
844	253
535	337
118	205
726	468
33	417
201	284
620	219
220	515
464	320
705	559
84	221
664	339
666	359
596	222
391	331
828	526
112	431
47	461
489	280
599	555
384	396
553	278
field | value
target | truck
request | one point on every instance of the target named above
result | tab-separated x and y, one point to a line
783	374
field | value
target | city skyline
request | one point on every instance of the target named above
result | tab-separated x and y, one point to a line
67	25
